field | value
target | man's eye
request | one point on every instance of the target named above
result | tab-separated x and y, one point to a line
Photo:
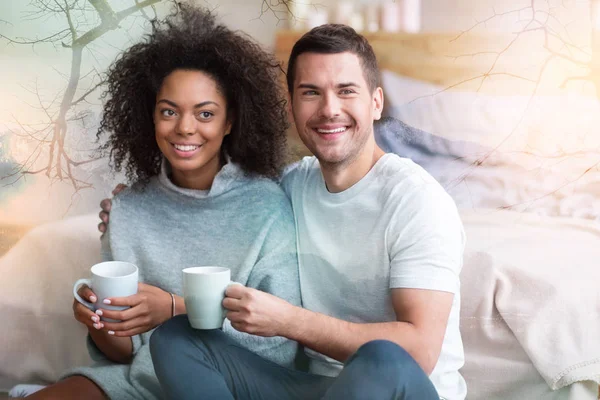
167	112
310	93
205	114
347	91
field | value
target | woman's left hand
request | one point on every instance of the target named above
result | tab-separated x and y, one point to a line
149	307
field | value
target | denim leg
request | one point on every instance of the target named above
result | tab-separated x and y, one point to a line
381	370
207	364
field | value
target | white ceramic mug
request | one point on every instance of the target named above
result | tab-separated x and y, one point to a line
203	293
109	279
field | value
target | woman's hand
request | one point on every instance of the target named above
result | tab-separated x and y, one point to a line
115	349
83	314
149	307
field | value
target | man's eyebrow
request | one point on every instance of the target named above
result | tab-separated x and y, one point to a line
347	84
339	85
173	104
307	86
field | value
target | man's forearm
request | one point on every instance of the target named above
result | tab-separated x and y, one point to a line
340	339
117	349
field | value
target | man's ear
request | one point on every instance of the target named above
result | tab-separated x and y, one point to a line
377	103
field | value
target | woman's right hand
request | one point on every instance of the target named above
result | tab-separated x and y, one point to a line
83	314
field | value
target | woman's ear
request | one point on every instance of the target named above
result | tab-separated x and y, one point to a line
230	120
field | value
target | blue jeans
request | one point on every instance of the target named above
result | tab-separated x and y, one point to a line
195	364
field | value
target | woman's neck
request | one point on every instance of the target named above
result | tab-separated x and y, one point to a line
199	179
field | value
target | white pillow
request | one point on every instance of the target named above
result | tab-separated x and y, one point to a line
542	124
39	337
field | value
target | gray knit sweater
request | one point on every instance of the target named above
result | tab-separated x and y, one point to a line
242	223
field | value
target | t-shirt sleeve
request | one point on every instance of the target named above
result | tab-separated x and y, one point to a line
426	241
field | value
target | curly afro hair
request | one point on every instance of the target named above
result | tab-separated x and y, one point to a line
247	76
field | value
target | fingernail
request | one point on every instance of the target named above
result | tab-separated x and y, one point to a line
99	312
95	319
106	301
93	299
97	326
111	332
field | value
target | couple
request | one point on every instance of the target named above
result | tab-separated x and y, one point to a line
195	115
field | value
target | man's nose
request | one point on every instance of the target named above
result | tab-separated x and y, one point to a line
330	106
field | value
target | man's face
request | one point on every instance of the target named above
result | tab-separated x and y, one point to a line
333	106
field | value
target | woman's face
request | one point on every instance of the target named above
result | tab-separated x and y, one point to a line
190	122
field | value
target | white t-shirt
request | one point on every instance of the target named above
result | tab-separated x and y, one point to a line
395	228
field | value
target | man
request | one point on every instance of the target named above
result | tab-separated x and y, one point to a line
380	250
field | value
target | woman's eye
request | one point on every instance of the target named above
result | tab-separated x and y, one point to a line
167	112
205	115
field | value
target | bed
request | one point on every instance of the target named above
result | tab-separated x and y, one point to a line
530	316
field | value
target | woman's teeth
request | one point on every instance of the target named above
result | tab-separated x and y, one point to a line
337	130
186	147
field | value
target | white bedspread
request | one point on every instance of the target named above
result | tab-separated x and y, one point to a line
530	292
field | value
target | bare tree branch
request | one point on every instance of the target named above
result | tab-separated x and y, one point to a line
49	39
90	91
51	136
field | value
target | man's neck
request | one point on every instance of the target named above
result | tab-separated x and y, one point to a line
341	177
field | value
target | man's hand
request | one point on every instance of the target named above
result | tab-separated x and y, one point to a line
150	307
256	312
105	205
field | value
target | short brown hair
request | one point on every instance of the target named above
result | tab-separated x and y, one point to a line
333	39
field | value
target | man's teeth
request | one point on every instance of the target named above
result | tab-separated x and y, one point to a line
337	130
185	148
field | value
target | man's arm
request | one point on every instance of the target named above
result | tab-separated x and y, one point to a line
422	316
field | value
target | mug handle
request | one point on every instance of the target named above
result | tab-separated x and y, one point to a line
76	287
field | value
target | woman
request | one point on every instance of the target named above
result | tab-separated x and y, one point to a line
196	117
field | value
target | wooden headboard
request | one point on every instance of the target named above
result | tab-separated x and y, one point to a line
461	60
441	58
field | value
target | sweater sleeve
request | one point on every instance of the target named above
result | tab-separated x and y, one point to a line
106	255
275	272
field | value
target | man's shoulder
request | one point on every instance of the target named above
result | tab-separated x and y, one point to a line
399	171
408	187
